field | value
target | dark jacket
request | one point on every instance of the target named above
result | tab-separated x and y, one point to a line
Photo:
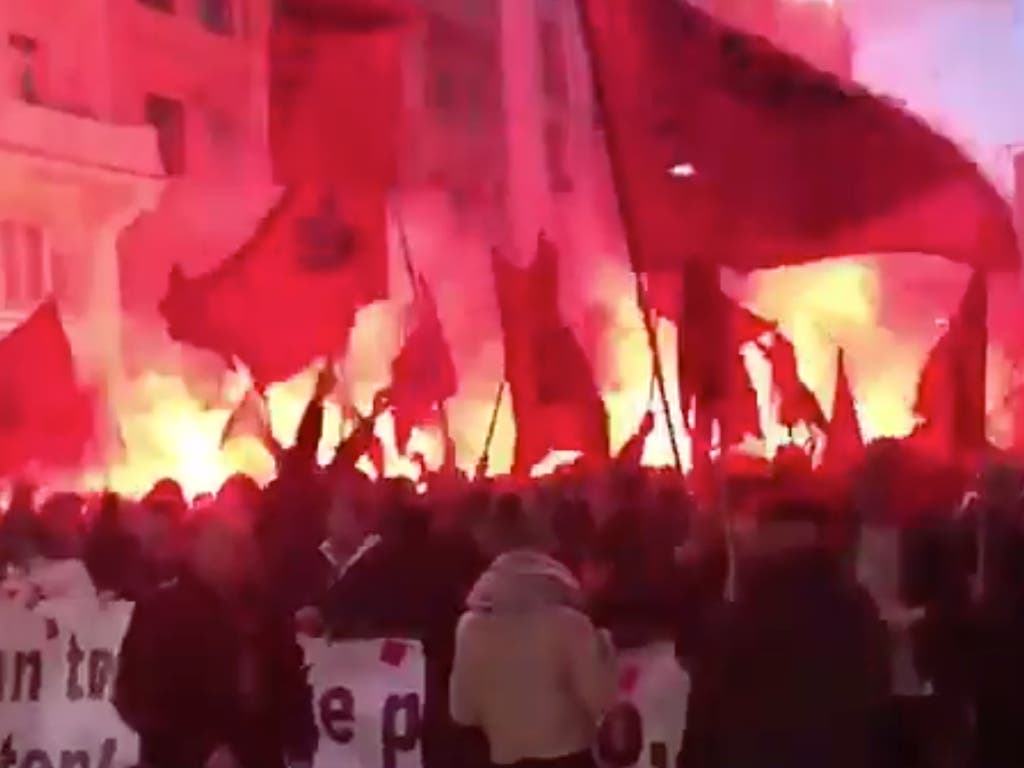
999	662
796	676
179	683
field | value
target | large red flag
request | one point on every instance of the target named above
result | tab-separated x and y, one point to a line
728	150
423	374
712	373
556	403
290	295
951	390
844	446
335	91
46	418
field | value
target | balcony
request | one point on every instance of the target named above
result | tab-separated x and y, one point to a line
70	136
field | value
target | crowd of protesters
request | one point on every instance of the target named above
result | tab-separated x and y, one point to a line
866	621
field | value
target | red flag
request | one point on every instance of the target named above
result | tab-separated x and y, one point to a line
796	402
712	372
335	91
45	417
556	403
844	445
951	390
728	150
423	374
290	295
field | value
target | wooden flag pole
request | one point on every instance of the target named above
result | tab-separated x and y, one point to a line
485	456
410	270
403	240
632	241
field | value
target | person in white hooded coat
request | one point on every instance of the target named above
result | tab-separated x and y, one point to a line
531	670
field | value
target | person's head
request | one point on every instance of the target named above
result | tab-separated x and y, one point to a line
507	526
789	526
63	526
168	494
350	514
240	493
20	536
223	553
158	531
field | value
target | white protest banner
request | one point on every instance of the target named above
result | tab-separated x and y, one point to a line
57	669
368	699
645	728
58	664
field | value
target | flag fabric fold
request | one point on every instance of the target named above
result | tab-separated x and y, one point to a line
951	390
46	418
797	403
555	399
423	374
728	150
713	376
844	446
335	91
289	296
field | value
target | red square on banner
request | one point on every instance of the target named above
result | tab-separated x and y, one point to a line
392	652
628	678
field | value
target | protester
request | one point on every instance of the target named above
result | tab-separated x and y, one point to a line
53	567
210	674
531	671
796	674
790	658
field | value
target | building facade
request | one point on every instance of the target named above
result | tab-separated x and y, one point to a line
72	175
132	136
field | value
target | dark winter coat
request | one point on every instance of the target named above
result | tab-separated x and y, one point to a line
796	676
179	683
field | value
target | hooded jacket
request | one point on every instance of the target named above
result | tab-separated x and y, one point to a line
531	670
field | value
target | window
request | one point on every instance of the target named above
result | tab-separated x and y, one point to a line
216	16
168	117
553	72
25	57
25	258
160	5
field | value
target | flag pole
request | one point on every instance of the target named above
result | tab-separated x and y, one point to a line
632	241
410	271
403	240
491	428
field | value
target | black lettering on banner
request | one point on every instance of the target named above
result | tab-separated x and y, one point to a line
27	664
107	753
8	757
394	741
659	755
76	692
337	713
76	759
36	758
620	741
102	670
